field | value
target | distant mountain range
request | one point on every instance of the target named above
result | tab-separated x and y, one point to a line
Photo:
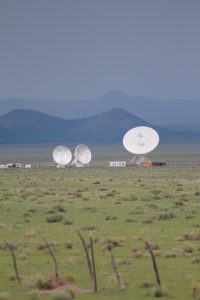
30	126
162	113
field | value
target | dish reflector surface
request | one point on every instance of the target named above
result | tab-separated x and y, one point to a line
141	140
83	154
62	155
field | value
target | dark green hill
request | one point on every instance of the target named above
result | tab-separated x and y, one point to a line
30	126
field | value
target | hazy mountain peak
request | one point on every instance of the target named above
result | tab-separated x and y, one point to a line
116	111
117	114
20	114
153	111
115	94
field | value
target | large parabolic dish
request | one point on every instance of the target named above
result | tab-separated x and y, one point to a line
83	154
62	155
141	140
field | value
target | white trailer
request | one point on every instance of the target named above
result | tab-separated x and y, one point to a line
117	164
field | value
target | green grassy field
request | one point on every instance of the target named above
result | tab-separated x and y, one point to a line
123	206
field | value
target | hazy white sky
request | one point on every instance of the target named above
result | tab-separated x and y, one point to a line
78	49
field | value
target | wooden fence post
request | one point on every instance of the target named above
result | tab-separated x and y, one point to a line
149	248
117	274
93	263
10	247
89	263
53	258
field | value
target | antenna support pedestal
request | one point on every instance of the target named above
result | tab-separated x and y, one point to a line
139	160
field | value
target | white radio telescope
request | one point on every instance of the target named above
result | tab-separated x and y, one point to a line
62	156
82	156
140	141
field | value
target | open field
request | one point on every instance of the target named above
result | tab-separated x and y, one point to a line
41	154
124	207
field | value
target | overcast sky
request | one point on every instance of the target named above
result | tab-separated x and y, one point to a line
80	49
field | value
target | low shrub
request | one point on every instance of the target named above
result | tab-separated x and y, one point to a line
56	218
160	292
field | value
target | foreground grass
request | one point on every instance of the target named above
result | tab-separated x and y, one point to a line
127	206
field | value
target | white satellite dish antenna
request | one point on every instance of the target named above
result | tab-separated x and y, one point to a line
140	141
82	156
62	156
